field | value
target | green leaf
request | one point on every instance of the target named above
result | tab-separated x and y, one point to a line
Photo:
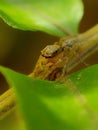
49	105
58	18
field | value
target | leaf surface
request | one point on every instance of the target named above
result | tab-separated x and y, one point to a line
52	105
58	18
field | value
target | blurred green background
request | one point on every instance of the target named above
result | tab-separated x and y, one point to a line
19	50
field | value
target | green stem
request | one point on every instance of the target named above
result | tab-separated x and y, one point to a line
88	43
7	102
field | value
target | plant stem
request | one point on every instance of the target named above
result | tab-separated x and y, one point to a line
7	102
87	44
